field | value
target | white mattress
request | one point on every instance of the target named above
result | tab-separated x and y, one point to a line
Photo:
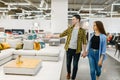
54	42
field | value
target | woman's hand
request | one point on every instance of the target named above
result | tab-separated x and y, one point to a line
100	62
84	54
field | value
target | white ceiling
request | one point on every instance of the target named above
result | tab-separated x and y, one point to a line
75	4
82	6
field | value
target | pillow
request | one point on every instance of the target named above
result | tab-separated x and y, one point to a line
1	47
36	46
42	44
34	36
28	44
13	42
2	40
30	37
5	45
19	46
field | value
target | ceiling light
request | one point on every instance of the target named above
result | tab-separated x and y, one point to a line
92	9
16	4
42	3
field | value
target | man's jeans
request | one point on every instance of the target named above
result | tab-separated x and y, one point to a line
71	54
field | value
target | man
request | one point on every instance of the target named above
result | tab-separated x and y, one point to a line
75	38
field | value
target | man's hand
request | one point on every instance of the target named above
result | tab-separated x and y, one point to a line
56	36
52	36
84	54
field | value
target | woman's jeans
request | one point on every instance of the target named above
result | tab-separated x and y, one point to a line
93	57
71	54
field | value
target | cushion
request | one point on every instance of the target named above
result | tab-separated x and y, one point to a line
32	36
36	46
13	42
42	44
5	45
2	39
54	42
1	47
28	44
62	40
19	46
46	40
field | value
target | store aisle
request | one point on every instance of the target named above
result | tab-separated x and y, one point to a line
110	71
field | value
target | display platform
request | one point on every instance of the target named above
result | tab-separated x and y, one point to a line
28	66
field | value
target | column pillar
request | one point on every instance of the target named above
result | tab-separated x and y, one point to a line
59	15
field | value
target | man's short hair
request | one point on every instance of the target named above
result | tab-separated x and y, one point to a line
77	16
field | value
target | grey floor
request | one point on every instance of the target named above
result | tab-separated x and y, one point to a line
110	70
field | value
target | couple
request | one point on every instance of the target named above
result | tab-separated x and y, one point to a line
95	51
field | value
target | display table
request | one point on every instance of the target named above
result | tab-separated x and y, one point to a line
28	66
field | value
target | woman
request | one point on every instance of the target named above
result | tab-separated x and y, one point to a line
96	50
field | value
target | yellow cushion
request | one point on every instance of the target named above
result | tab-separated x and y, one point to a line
1	47
36	46
5	45
19	46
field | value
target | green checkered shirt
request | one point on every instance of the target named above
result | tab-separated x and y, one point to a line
81	38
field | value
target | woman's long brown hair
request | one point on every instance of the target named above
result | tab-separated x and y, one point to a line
100	27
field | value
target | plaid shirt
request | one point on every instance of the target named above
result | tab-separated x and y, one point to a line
81	38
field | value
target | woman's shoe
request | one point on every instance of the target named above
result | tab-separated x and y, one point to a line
97	78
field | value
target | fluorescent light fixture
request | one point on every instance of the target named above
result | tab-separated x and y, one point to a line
23	13
21	4
92	9
3	11
3	1
116	4
34	11
72	11
115	12
86	14
44	8
42	3
4	8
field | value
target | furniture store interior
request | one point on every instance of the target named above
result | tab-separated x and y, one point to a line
59	39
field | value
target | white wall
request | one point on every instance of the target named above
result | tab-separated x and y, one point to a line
111	25
25	24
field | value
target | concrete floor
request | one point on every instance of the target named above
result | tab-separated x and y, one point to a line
110	70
